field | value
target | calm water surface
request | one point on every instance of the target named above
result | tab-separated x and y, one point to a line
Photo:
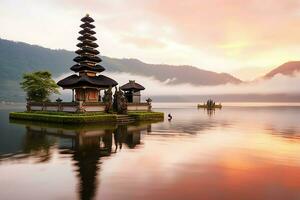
244	151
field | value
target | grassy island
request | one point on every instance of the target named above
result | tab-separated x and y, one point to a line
79	118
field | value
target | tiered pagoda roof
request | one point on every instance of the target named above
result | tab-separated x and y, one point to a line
87	61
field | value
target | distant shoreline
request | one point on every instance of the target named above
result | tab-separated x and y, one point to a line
280	98
163	105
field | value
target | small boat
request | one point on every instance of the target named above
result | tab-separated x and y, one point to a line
218	106
210	104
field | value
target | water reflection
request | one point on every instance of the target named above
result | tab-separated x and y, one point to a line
86	145
37	144
225	154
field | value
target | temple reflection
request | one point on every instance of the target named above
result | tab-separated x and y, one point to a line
87	153
85	145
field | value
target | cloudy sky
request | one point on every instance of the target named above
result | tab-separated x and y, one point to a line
245	38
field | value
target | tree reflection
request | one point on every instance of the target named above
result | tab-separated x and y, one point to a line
37	144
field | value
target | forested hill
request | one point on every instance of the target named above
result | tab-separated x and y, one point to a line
18	57
287	69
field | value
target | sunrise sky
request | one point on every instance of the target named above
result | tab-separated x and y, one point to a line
244	38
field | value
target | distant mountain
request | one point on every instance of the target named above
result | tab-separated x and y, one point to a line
17	58
175	74
288	68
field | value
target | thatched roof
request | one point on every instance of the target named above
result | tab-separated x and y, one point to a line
87	25
86	37
83	58
87	50
86	62
87	31
132	85
87	43
82	67
87	18
99	81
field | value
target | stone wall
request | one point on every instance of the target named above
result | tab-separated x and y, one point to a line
66	106
138	107
81	106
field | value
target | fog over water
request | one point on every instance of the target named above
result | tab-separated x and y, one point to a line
279	84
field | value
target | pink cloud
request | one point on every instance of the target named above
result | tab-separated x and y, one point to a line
201	24
215	21
142	42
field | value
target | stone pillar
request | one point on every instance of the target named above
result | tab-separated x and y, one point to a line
60	108
28	105
149	107
149	104
72	95
84	94
99	95
80	107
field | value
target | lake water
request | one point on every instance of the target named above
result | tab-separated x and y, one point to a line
244	151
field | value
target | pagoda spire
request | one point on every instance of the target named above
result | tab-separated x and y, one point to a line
87	59
86	83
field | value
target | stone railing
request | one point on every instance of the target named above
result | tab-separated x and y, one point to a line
81	106
93	106
66	106
53	106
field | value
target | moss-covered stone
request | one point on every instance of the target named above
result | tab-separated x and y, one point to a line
81	118
146	116
63	118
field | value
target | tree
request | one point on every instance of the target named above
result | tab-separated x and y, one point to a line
39	86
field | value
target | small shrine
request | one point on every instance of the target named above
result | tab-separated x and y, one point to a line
132	91
87	85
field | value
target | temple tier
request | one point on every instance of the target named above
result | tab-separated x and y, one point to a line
87	84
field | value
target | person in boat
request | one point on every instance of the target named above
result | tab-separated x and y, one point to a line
210	104
170	117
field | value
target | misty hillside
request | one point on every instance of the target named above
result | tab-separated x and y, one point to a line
178	74
288	68
17	58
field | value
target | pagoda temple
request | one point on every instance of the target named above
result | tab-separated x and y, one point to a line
86	85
